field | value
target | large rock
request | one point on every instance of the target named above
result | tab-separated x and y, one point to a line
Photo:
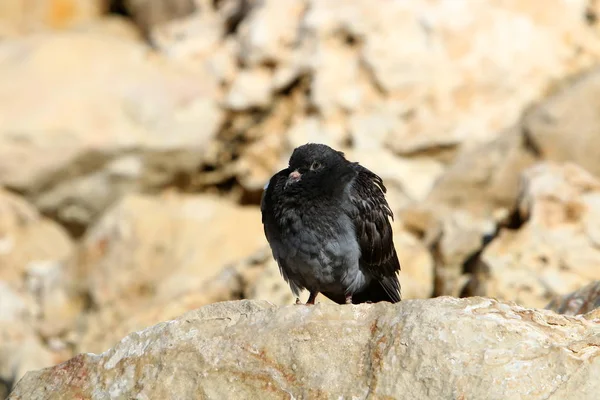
556	249
566	127
86	117
149	252
442	348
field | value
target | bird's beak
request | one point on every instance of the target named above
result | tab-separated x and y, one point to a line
293	177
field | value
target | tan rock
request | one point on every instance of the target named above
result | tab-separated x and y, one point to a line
39	300
250	89
86	117
27	15
555	251
442	348
103	328
148	247
566	127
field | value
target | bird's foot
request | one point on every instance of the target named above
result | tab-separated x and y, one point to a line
312	298
298	302
349	299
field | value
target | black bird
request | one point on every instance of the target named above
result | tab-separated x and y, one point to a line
326	220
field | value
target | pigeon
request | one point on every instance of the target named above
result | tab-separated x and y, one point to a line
328	225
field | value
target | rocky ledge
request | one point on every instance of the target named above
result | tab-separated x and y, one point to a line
442	348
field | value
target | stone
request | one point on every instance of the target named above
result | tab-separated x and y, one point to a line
101	329
582	301
467	202
39	300
86	118
555	250
566	127
147	254
445	87
26	16
443	348
250	89
160	247
148	14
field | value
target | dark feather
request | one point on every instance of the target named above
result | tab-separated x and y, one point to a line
371	214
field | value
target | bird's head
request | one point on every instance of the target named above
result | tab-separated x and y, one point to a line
316	164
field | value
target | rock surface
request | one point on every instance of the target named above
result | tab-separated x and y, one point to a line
556	250
86	118
442	348
38	301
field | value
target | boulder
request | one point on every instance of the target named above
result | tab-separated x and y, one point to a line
443	348
148	255
86	117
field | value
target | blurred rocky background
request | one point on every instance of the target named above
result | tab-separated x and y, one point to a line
136	137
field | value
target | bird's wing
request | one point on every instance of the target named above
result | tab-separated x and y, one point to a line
271	227
370	213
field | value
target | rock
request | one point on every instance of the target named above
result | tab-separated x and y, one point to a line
26	15
250	89
442	40
555	250
443	348
21	349
147	252
86	118
158	247
35	255
148	14
39	301
466	203
103	328
566	127
582	301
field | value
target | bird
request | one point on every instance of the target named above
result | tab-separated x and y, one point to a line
327	222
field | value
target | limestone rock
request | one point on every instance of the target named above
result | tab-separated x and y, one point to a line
566	127
443	348
158	247
86	118
38	301
582	301
148	252
466	203
555	251
26	15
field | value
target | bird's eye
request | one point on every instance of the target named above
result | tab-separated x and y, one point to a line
315	165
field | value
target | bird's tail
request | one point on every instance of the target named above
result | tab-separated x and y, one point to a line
386	289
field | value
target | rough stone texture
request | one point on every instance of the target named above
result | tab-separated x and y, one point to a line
582	301
442	348
85	118
556	250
